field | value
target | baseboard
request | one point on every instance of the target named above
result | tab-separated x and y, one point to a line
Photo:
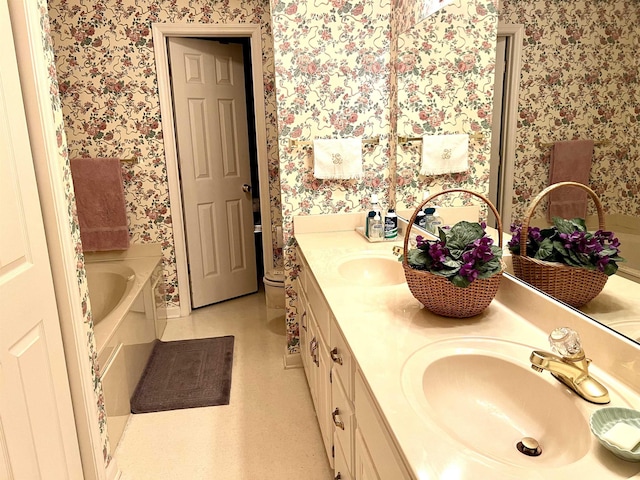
292	360
169	312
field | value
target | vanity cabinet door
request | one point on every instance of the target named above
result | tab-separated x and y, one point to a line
374	439
323	406
342	471
303	327
343	420
364	467
342	359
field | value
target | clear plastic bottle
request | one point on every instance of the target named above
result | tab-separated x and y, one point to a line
376	228
429	220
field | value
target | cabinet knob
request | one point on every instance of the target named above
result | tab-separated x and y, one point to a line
335	357
337	422
338	477
304	315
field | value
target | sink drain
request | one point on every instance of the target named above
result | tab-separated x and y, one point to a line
529	446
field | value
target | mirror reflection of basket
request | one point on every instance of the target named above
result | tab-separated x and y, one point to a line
437	293
574	286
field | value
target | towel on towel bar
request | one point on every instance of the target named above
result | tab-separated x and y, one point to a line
442	154
100	202
337	158
570	162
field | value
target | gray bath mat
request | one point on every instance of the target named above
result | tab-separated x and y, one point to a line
185	374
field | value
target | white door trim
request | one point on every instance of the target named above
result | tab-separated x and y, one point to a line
515	32
34	79
161	31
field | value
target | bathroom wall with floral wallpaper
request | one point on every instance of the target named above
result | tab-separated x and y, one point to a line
580	79
107	77
72	226
332	81
445	74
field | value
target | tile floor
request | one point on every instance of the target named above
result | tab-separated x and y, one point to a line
269	429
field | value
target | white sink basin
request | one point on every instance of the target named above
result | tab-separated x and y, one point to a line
371	269
483	394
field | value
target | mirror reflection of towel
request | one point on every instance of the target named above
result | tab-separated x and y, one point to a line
570	162
337	158
442	154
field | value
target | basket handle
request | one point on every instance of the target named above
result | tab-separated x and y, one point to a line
435	195
524	232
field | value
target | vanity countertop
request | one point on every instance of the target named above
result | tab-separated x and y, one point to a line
384	326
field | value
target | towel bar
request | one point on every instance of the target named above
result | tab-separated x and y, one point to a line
309	143
473	136
597	143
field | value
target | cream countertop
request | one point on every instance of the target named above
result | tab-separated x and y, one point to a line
385	325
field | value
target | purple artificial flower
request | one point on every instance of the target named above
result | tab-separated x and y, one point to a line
482	249
468	271
438	252
602	263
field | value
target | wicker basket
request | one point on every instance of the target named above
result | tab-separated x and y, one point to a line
574	286
437	293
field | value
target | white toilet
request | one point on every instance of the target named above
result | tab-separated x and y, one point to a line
274	288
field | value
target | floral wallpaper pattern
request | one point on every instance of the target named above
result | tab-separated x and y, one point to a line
74	229
107	79
332	66
445	70
580	79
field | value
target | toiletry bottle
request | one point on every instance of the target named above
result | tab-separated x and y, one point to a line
375	206
420	219
429	220
376	228
368	222
436	223
391	224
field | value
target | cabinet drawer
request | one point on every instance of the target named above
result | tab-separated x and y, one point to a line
342	360
343	420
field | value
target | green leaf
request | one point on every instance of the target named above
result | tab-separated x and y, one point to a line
462	234
610	268
545	250
564	226
460	281
443	235
417	257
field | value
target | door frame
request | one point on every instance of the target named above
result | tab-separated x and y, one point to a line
162	31
511	89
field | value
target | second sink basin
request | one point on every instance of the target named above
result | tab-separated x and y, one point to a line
483	395
371	269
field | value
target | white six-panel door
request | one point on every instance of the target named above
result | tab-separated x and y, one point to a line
37	431
213	149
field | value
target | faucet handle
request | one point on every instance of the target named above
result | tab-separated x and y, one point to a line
565	342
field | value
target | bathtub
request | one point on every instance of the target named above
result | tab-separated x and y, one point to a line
122	291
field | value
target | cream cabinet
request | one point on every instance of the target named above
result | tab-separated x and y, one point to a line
338	394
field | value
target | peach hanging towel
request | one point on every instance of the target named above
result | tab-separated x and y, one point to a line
570	162
100	202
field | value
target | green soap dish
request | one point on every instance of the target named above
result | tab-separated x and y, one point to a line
605	418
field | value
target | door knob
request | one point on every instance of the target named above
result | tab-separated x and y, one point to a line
246	188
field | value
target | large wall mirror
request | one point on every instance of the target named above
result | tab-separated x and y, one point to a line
579	78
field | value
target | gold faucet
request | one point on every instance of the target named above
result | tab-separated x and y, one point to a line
570	366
